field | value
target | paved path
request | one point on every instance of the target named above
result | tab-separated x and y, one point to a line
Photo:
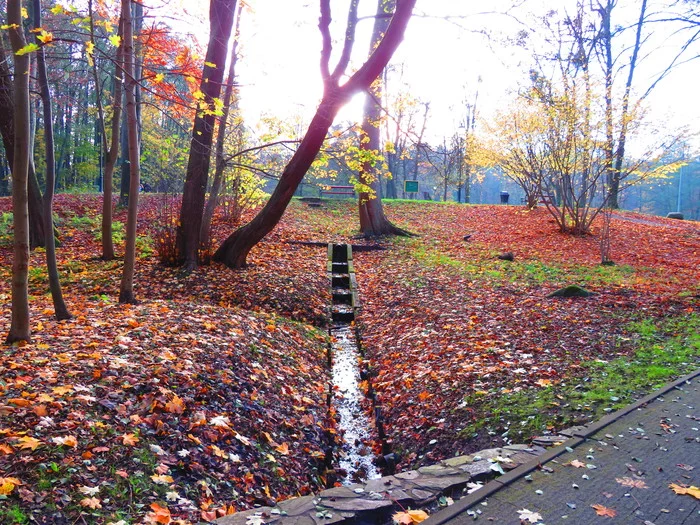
624	463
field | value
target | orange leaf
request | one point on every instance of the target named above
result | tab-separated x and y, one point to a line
410	517
423	395
18	401
282	449
690	490
7	485
129	439
159	514
6	449
175	406
602	510
93	503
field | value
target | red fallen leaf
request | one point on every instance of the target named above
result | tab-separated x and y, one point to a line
101	449
5	449
602	510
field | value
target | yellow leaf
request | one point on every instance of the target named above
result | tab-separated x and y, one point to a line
129	439
115	40
57	10
7	485
62	390
159	78
25	13
29	48
30	443
162	479
209	64
410	517
690	490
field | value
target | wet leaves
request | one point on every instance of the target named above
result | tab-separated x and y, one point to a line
632	483
690	490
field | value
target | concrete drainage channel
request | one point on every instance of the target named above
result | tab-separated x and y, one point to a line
356	460
365	497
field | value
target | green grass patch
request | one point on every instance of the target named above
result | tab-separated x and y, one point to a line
663	352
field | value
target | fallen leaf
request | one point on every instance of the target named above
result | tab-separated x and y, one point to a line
175	406
159	514
89	491
602	510
129	439
283	449
92	503
7	485
162	479
689	490
631	482
30	443
528	515
578	464
409	517
68	441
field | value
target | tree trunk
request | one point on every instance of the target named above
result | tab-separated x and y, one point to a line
205	232
126	289
194	191
60	308
373	222
7	108
234	250
19	327
111	149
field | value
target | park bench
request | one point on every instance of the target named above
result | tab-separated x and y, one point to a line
339	190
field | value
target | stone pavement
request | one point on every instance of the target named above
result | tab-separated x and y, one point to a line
623	465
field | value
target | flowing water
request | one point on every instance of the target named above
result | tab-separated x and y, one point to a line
355	426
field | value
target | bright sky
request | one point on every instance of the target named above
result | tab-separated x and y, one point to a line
443	59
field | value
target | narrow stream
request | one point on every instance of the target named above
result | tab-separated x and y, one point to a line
357	457
354	425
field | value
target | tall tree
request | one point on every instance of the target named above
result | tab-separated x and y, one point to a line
126	289
19	327
111	148
193	195
234	250
60	308
373	221
220	160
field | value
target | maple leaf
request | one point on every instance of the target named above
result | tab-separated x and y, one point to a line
410	517
7	485
30	443
162	479
115	40
602	510
175	406
89	491
578	464
219	421
68	441
528	515
93	503
159	514
5	449
689	490
129	439
283	449
631	482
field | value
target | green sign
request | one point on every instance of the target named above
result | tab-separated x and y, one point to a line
410	186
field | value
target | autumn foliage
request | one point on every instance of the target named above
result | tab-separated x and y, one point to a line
210	395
